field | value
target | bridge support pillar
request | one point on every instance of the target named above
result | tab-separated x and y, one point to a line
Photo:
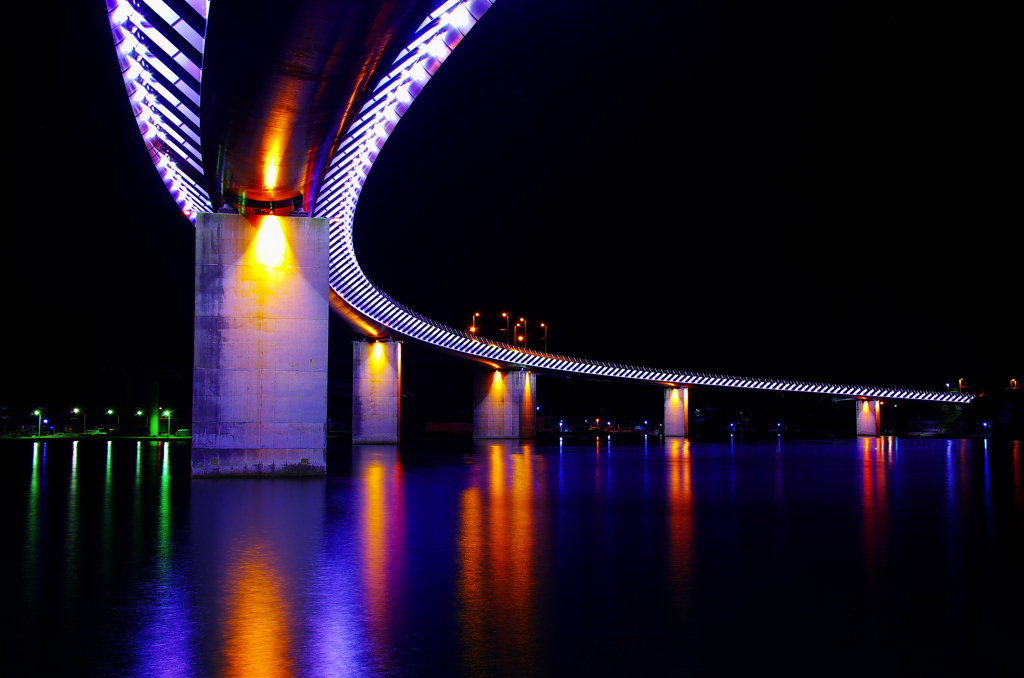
259	389
505	404
376	392
869	420
677	412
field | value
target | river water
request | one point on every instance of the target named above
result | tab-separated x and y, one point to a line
871	556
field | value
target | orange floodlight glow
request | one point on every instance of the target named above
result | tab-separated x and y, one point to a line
270	172
270	242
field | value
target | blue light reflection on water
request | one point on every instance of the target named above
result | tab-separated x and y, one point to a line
509	558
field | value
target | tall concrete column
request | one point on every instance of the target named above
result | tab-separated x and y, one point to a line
505	404
869	420
259	394
376	392
677	412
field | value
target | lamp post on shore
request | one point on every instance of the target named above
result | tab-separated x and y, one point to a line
39	422
112	412
167	413
78	411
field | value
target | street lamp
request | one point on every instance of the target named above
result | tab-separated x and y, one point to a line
78	411
39	422
508	337
167	413
112	412
523	321
472	323
545	328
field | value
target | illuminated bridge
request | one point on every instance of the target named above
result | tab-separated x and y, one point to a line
283	113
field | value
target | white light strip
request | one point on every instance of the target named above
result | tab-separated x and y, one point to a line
153	102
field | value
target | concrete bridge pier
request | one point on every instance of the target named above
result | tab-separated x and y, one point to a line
504	404
376	392
259	388
869	420
677	412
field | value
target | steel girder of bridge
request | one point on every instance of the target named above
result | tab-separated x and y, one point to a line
160	46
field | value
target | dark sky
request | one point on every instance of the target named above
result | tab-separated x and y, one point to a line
748	188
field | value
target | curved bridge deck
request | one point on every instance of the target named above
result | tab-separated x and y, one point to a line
159	50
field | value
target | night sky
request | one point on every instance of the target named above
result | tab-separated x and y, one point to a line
798	191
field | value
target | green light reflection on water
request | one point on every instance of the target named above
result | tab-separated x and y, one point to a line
164	518
108	518
137	505
32	526
72	565
72	534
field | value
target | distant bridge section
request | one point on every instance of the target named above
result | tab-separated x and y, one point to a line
375	314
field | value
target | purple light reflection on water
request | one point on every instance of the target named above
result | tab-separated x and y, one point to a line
514	558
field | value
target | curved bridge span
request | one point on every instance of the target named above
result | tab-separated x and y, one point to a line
160	47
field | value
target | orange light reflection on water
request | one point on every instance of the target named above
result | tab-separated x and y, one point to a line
963	473
499	539
1018	495
876	458
471	592
680	520
382	518
522	563
258	640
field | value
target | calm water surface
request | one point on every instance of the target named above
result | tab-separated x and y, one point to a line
874	556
